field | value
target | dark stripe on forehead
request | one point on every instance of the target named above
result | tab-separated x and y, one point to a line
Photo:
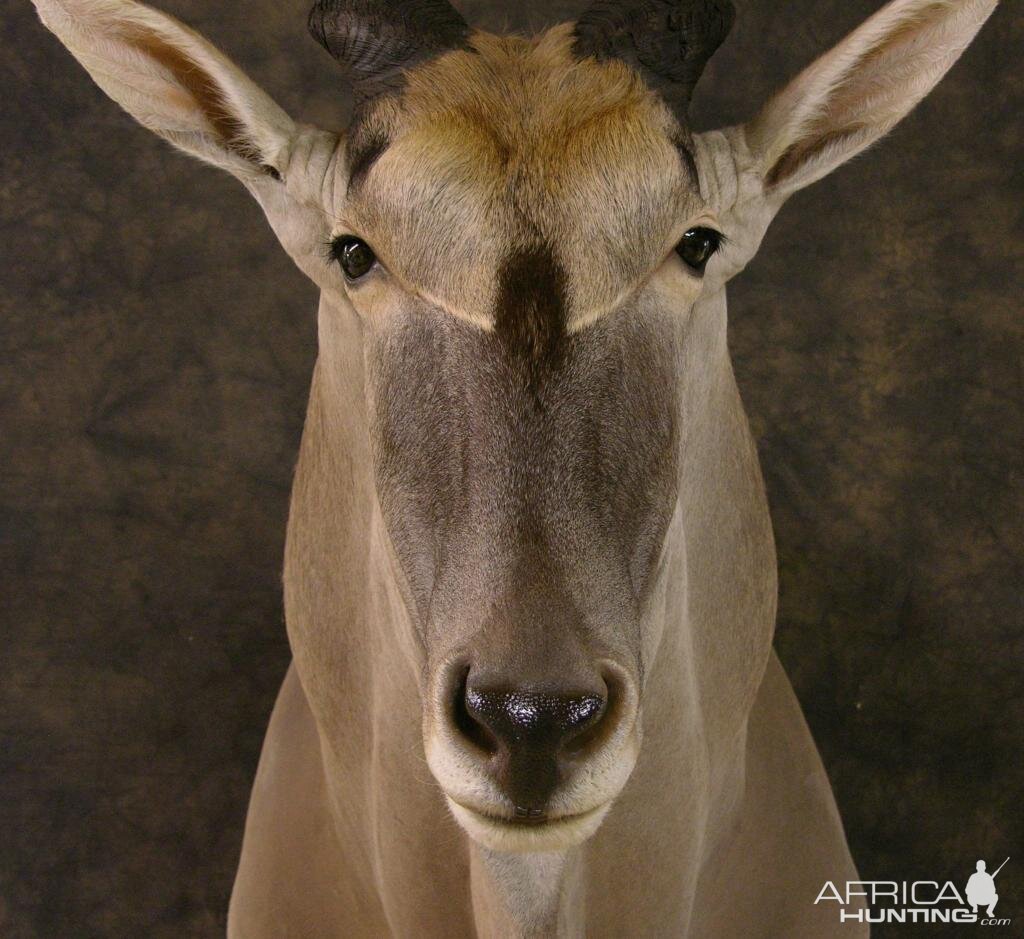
530	312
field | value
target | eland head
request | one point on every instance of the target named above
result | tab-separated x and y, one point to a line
525	452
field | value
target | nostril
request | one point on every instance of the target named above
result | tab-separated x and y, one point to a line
586	715
597	727
467	721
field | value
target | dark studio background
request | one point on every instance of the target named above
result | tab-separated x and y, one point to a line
155	351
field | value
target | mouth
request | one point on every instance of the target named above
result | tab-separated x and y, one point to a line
528	831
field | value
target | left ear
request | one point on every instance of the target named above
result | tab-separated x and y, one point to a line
174	82
858	91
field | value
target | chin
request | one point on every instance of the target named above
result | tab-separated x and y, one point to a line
516	837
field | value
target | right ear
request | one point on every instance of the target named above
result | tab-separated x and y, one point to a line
839	105
174	82
854	94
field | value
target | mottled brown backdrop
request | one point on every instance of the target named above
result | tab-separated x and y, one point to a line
155	350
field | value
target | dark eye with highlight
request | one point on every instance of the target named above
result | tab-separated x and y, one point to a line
354	255
697	246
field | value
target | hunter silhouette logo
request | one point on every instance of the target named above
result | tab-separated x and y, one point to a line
918	901
981	888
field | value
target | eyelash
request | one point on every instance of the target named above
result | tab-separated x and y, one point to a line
332	250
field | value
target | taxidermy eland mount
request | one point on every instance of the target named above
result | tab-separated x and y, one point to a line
530	580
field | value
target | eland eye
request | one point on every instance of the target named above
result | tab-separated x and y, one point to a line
697	246
354	255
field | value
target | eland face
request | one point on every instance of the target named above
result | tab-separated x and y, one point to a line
523	237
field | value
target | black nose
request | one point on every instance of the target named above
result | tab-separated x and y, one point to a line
534	719
529	736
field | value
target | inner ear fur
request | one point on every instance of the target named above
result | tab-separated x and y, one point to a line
854	94
226	125
174	82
